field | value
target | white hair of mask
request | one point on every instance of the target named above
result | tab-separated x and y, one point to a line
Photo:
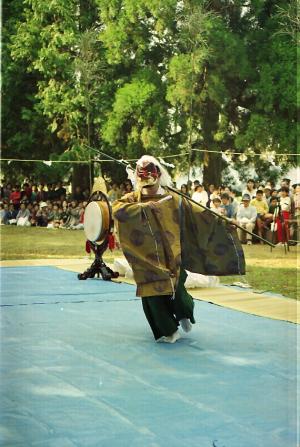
165	178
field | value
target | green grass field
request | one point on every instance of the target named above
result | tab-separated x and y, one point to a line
267	270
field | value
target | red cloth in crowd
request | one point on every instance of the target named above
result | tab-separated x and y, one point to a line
28	192
15	197
283	233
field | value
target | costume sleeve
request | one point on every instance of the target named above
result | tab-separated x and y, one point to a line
210	245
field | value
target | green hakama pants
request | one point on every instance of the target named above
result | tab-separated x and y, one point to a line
164	312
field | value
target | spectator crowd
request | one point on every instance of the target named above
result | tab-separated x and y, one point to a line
270	212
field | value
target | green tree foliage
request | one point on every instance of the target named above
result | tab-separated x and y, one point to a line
136	76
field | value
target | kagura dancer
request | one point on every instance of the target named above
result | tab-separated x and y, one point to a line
162	235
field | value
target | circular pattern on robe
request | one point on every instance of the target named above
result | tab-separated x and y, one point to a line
152	257
220	249
121	215
151	276
175	216
137	237
159	287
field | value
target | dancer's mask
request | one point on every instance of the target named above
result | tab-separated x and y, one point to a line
147	174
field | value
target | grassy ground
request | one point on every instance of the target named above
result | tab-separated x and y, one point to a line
267	271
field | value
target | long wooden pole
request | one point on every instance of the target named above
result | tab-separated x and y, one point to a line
193	201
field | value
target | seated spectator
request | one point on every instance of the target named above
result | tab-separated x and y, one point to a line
262	209
216	205
246	218
73	218
54	217
250	189
33	218
3	212
283	216
199	194
23	216
267	194
10	216
64	214
42	215
80	226
227	207
213	195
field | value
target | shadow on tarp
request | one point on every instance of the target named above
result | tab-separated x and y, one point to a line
88	373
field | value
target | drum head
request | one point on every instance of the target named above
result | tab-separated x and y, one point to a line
93	221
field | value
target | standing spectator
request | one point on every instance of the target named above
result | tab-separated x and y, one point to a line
200	195
26	192
232	199
77	194
34	192
297	210
269	217
7	189
227	207
262	209
246	218
42	194
184	189
283	217
15	197
60	191
51	191
250	189
128	186
23	216
114	193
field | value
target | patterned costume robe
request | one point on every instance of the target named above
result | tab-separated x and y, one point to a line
159	243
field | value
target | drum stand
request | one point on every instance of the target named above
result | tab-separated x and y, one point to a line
99	267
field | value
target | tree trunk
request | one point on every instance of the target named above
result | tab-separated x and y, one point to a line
213	162
81	176
212	173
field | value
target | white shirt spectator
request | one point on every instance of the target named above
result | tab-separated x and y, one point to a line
246	214
200	196
286	203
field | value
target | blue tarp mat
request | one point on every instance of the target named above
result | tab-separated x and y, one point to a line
82	369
